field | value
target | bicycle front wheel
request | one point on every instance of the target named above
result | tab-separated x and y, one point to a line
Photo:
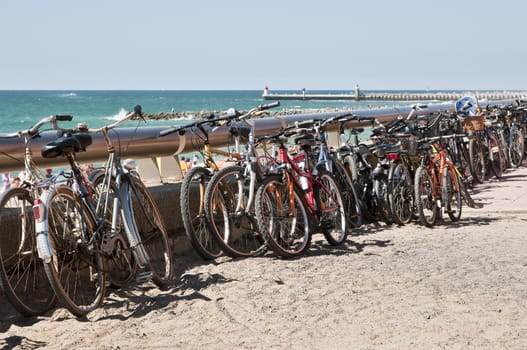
495	156
451	195
152	233
332	216
230	218
425	203
193	213
282	216
401	194
349	195
516	147
75	268
22	275
477	159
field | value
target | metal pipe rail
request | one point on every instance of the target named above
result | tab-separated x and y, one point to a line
144	142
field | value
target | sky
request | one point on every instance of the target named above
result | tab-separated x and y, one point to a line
246	45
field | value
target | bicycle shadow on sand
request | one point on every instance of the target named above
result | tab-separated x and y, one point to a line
139	300
19	342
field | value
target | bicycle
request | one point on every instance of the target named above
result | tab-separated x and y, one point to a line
22	275
436	183
229	196
299	197
196	180
77	235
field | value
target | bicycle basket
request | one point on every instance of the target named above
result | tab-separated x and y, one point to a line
471	124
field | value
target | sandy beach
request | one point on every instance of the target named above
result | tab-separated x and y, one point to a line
457	286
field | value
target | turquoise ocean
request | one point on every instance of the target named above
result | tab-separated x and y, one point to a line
21	109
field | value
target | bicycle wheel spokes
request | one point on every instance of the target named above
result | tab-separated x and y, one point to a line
516	147
153	234
401	197
332	221
231	223
76	269
22	275
282	217
451	194
424	197
192	211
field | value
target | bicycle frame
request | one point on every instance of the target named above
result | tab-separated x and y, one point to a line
296	173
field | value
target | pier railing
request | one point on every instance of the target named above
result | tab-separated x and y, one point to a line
145	143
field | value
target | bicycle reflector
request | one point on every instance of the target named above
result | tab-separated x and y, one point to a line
38	210
392	156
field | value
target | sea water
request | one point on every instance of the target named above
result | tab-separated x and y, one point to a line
21	109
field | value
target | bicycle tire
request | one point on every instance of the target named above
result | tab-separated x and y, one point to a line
451	195
495	157
477	159
425	203
349	195
233	226
286	230
22	275
120	263
193	213
400	194
333	224
516	147
381	190
152	232
75	269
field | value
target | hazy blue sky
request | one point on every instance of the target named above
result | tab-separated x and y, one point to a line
243	44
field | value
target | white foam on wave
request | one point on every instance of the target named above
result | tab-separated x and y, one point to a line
122	113
71	94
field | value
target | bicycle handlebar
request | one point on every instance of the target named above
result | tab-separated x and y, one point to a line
137	111
230	115
34	130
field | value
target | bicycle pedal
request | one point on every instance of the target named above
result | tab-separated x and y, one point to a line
144	276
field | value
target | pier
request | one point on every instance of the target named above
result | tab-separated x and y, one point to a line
358	95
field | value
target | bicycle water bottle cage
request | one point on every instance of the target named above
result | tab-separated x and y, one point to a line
65	145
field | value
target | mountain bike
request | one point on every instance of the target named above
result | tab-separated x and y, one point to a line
80	239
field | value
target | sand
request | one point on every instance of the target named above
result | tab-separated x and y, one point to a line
457	286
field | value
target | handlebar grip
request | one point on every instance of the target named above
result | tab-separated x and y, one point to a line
167	131
64	118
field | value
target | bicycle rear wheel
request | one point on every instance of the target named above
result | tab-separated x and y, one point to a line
192	202
152	232
282	217
75	268
22	275
477	159
229	220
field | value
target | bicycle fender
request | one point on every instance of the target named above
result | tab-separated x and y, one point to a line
43	246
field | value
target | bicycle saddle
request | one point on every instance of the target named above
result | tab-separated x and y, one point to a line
305	140
66	144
